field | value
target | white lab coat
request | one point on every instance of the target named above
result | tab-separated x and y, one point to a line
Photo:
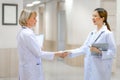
97	67
30	54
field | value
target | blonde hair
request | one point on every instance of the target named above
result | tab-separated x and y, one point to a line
25	15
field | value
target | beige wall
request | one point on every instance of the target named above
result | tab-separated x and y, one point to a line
118	31
8	52
8	62
8	32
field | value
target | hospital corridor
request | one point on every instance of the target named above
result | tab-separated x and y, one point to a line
64	25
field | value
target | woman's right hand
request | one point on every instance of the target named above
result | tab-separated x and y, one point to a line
96	50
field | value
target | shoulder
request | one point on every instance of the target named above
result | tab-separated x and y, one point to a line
26	33
107	32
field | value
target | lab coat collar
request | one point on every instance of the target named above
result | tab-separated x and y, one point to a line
29	29
103	28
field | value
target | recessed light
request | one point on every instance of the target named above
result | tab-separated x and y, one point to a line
29	5
35	2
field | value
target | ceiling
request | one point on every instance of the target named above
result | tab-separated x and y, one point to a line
30	1
42	1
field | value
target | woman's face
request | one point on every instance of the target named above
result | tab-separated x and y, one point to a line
97	20
32	20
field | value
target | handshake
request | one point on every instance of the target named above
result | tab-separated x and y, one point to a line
62	54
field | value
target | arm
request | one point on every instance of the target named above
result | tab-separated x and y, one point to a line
84	49
35	49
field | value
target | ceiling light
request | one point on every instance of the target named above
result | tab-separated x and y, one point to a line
29	5
35	2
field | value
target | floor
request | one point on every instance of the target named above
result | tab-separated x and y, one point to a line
58	70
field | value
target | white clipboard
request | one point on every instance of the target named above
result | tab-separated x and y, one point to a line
40	39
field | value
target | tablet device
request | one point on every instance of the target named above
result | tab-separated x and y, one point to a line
101	46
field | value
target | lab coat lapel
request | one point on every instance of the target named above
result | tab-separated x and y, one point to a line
96	34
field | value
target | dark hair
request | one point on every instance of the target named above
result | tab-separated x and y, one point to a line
103	13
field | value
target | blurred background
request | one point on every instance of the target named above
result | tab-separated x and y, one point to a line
65	25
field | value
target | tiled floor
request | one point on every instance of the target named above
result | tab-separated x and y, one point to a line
58	70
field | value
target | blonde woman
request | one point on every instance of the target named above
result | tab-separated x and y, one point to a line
30	53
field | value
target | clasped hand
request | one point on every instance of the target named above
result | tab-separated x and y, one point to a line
62	54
